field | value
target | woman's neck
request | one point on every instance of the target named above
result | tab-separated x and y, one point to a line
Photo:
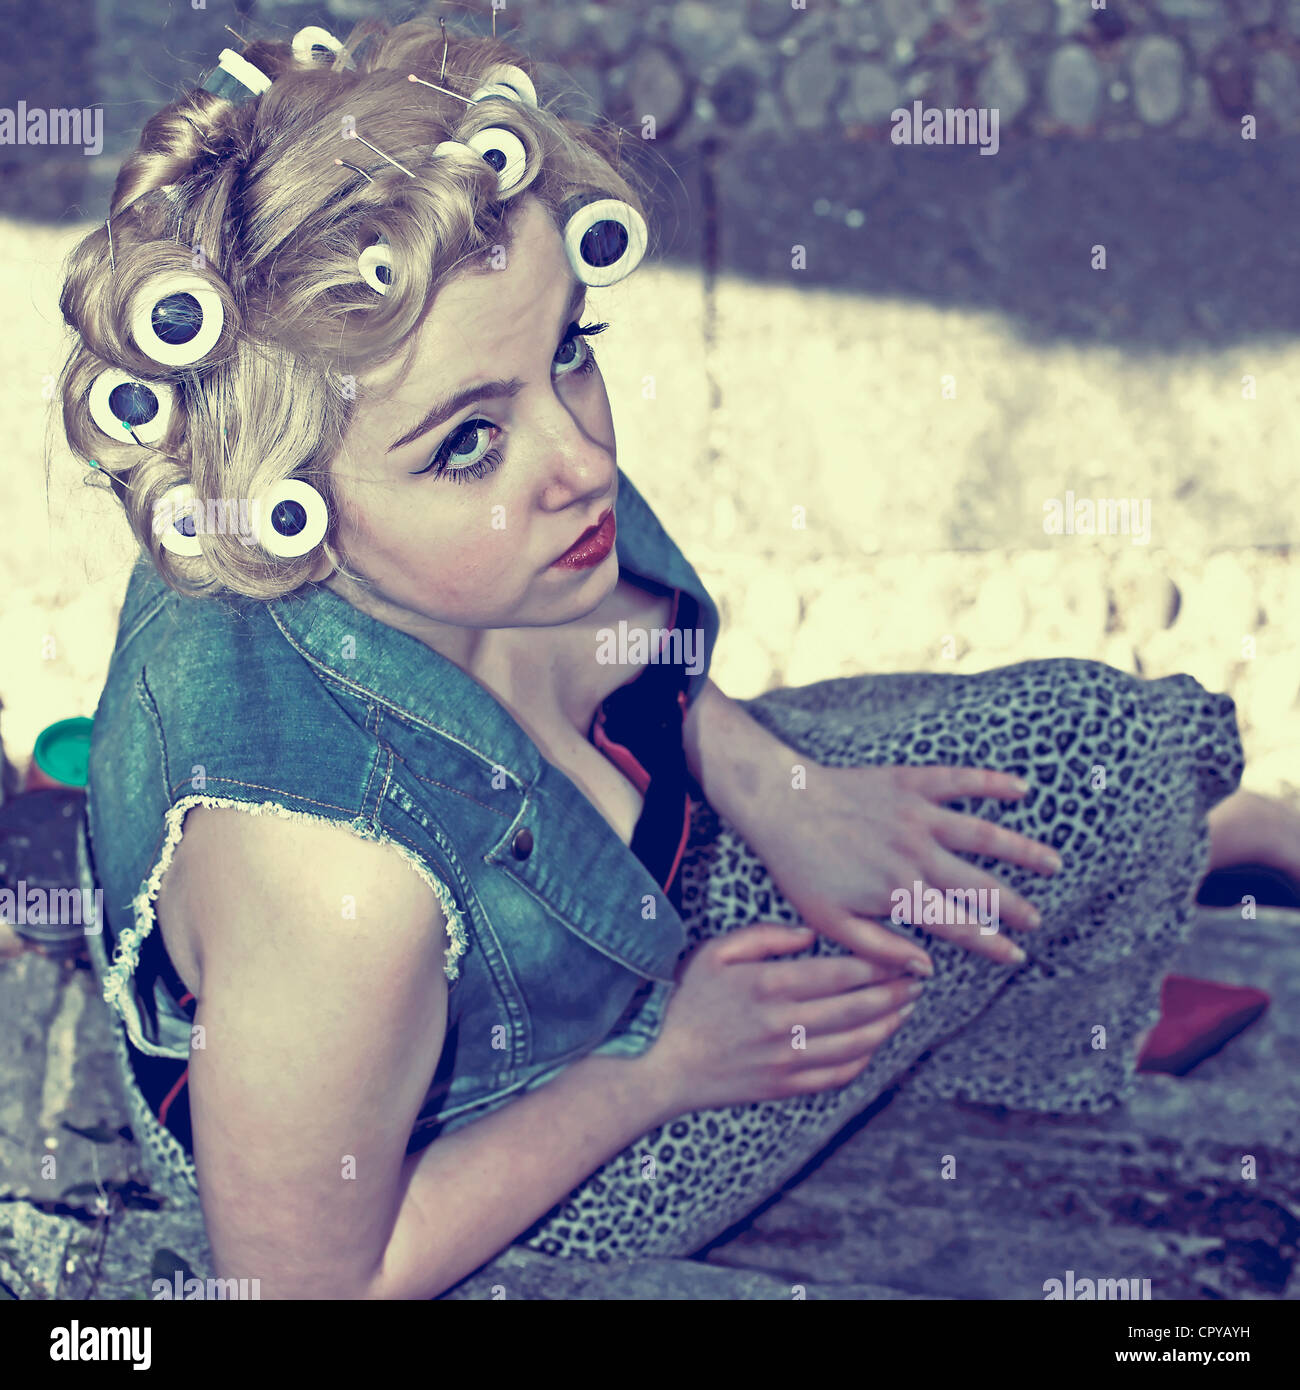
532	671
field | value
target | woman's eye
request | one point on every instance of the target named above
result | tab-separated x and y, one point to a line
574	353
573	356
463	446
466	451
461	452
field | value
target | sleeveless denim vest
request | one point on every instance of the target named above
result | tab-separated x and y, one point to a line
561	941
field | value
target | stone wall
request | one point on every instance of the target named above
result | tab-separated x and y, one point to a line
945	361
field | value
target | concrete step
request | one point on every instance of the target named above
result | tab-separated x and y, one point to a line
1153	1190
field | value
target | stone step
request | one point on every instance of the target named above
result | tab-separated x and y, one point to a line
1153	1190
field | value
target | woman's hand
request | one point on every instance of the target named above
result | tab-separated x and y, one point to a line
854	841
741	1028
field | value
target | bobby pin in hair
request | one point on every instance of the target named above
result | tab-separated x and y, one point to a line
381	154
411	77
442	24
346	165
109	224
240	37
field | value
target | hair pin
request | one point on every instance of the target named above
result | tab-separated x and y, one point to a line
380	153
353	167
411	77
240	37
108	222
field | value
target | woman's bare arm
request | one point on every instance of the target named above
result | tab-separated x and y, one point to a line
470	1193
321	1035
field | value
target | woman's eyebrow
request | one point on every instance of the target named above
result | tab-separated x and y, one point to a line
444	409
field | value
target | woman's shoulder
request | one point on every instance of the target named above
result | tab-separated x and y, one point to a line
248	877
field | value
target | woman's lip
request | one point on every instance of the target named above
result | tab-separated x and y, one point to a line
584	541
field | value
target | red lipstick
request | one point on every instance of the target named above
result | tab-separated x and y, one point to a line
591	547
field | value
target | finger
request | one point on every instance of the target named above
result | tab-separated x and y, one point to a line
835	1048
856	1007
958	918
764	939
818	977
942	783
968	834
1007	907
869	939
803	1083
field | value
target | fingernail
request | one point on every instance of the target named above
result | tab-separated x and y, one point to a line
1018	957
1020	784
919	968
914	991
1035	917
905	1010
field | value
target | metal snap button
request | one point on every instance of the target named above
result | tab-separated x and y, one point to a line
523	843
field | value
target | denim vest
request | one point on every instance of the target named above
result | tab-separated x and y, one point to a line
562	943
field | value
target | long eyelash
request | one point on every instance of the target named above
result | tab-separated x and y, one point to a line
585	330
492	459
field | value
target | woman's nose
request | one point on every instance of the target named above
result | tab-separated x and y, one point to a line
579	464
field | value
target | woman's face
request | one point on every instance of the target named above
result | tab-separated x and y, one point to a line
457	521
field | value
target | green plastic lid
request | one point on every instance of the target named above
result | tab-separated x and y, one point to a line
63	751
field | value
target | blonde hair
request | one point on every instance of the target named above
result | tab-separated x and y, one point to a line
249	197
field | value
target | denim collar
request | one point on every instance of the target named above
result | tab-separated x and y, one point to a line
413	682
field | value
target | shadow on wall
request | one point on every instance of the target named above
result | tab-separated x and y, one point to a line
1197	251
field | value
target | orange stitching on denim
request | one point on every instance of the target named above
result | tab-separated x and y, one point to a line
258	787
460	915
143	618
145	696
388	777
370	776
446	786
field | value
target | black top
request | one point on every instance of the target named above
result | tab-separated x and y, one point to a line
644	718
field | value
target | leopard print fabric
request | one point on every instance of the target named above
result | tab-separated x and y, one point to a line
1020	1036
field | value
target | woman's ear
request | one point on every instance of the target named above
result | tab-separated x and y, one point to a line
323	568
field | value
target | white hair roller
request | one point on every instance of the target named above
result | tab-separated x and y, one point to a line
505	152
177	318
604	238
178	505
508	82
376	266
123	405
307	41
289	518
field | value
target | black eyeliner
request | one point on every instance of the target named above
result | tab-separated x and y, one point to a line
573	331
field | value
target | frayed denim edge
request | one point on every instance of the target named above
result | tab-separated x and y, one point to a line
126	957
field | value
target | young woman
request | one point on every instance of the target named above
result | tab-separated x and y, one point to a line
505	944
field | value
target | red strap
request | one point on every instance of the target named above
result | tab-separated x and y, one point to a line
171	1096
